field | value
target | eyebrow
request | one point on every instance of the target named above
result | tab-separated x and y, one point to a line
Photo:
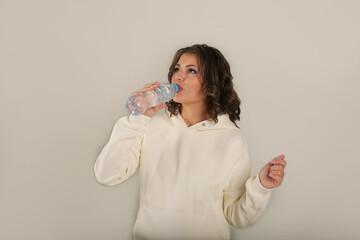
191	65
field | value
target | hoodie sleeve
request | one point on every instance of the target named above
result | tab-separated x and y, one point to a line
245	199
120	157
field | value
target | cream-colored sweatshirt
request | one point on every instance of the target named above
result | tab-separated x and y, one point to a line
193	180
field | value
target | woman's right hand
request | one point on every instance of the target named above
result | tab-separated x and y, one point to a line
153	110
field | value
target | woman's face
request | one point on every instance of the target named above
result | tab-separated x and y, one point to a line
186	75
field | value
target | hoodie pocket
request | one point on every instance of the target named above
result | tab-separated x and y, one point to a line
160	224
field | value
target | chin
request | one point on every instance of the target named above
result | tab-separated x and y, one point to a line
175	99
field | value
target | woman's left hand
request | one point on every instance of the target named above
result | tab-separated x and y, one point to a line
272	175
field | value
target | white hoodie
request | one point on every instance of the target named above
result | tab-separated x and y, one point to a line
193	180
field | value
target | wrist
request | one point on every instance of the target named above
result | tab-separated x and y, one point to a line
261	181
260	187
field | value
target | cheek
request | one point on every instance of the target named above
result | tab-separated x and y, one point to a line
197	87
196	92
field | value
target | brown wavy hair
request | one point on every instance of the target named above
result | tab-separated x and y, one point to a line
217	87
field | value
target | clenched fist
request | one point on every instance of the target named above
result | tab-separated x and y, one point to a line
272	174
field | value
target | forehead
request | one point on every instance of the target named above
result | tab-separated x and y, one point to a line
187	59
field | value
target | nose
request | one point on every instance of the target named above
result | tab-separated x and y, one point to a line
179	75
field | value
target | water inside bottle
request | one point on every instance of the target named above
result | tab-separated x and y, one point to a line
163	93
138	104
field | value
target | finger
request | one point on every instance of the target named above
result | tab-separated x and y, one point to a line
277	167
153	110
155	84
161	106
277	173
267	166
146	88
280	157
149	87
279	162
273	161
149	112
278	180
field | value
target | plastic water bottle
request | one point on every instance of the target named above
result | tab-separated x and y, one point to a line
137	104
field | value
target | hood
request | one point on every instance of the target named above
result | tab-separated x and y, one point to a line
224	122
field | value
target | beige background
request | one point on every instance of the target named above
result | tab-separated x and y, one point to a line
67	67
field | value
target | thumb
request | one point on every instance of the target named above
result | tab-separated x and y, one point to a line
265	169
161	106
158	108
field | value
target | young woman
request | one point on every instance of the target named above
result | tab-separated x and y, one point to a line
193	159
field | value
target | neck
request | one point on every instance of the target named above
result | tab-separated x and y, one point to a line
193	114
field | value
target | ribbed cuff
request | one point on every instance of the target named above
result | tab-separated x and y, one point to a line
259	187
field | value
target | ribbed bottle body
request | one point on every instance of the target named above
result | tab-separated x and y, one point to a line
137	104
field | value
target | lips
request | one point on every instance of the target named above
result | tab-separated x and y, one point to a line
180	88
